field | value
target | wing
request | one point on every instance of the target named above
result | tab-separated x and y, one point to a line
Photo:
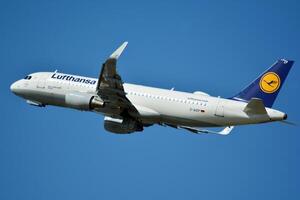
225	131
110	85
196	130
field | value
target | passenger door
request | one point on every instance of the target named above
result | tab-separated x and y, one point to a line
220	108
41	83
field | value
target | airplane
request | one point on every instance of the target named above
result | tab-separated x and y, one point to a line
129	108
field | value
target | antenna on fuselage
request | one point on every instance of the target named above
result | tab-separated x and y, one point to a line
55	71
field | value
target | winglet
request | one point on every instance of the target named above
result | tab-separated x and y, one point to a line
118	52
226	130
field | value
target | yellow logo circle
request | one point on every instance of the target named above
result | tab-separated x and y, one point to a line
269	82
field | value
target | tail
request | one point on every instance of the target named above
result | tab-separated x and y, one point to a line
268	84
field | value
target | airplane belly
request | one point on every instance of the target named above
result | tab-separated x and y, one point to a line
50	98
174	113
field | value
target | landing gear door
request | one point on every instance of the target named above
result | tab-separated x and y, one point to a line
220	108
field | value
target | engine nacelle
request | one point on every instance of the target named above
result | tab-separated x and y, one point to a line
121	126
83	101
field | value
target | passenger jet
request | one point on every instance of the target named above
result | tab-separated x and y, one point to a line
128	108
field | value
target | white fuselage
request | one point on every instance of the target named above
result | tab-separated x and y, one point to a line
154	105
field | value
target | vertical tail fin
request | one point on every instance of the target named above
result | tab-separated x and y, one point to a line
268	84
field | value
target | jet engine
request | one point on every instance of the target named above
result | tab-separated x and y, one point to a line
122	125
83	101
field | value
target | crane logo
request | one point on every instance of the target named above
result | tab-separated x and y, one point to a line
269	82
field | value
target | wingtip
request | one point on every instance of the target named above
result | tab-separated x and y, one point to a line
226	130
118	52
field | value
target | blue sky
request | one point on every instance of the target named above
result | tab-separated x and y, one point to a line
213	46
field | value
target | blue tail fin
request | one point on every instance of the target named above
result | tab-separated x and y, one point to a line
268	84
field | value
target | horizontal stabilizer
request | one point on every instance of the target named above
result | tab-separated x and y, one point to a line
288	122
255	107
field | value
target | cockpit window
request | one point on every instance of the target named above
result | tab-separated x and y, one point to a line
27	77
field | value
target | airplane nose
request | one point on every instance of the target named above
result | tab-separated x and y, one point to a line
14	87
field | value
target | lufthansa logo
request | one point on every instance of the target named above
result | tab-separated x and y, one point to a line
269	82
